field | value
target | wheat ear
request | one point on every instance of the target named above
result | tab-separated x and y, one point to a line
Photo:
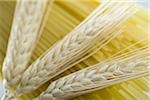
96	77
24	34
76	44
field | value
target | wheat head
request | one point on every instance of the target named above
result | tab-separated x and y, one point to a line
96	77
24	34
76	44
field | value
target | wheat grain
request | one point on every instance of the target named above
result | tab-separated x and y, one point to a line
102	22
24	34
96	77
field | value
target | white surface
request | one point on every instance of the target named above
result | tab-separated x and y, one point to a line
146	3
1	90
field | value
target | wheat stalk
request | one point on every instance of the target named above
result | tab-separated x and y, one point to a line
24	34
96	77
102	22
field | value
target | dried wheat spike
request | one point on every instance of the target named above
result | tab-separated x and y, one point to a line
102	22
24	34
96	77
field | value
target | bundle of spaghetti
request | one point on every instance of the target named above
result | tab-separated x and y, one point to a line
76	44
22	40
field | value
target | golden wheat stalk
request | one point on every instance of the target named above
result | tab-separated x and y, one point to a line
97	77
102	22
24	34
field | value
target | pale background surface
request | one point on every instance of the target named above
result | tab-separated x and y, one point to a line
146	3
